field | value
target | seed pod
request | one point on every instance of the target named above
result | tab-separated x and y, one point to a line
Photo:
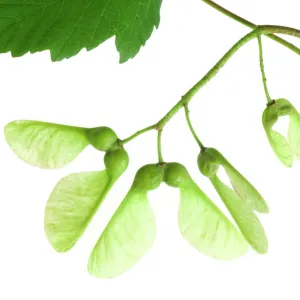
282	146
176	175
149	177
209	162
270	116
201	223
102	138
116	162
284	107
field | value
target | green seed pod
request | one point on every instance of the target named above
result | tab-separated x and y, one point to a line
270	116
176	175
149	177
102	138
209	162
284	107
279	108
116	162
284	148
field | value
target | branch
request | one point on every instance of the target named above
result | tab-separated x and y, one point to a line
185	100
251	25
266	29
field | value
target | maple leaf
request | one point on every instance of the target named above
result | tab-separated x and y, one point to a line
66	26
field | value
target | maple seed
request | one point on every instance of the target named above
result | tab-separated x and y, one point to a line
116	162
209	162
175	175
285	146
102	138
149	177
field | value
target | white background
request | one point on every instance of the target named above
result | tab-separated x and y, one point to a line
93	89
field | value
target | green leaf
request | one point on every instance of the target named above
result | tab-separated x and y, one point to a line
245	189
294	134
71	206
206	228
45	145
243	215
281	147
66	26
127	237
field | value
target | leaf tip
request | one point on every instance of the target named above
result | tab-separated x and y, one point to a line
123	59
